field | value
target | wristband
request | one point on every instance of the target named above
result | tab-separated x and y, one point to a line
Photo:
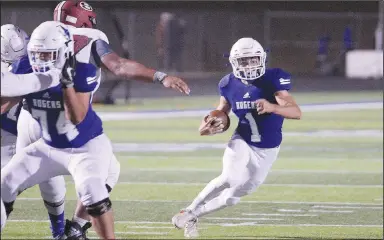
159	77
71	85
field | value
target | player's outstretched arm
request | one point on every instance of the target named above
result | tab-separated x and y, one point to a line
15	85
212	125
286	107
128	69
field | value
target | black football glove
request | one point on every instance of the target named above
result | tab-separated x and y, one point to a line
68	72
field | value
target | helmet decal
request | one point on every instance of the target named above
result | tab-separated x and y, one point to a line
86	6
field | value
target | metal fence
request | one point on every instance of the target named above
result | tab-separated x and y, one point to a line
290	36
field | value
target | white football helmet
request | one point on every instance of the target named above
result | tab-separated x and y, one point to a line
247	58
13	43
49	46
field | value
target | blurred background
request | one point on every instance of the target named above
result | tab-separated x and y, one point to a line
190	39
328	180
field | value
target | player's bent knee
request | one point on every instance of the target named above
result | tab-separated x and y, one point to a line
99	208
232	201
53	190
8	207
91	190
3	215
9	190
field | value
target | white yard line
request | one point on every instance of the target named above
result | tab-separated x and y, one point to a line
280	171
290	210
296	225
346	207
329	211
151	227
138	233
242	219
280	214
113	116
266	184
224	224
246	201
182	147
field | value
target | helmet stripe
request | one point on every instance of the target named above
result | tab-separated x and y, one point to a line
59	9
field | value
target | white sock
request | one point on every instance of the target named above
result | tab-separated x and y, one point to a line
212	190
79	220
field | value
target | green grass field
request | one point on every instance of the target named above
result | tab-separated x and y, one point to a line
326	184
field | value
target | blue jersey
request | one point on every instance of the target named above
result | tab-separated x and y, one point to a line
47	107
9	118
263	131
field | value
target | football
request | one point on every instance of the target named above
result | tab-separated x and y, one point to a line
223	116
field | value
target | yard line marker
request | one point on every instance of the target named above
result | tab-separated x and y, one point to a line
329	211
346	207
223	224
247	201
241	219
280	214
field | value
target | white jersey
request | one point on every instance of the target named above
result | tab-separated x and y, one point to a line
84	39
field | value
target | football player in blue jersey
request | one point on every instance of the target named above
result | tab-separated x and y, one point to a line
260	99
13	48
72	132
92	45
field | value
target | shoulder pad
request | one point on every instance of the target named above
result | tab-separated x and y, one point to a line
95	34
224	81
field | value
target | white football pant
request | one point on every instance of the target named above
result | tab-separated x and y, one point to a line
89	166
8	147
3	215
245	168
28	132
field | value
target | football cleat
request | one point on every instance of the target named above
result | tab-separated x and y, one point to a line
73	231
182	218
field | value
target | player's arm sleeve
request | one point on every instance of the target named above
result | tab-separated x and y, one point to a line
223	86
281	81
100	48
14	85
86	78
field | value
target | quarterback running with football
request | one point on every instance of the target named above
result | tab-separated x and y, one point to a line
260	99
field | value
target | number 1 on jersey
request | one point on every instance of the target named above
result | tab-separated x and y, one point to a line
255	137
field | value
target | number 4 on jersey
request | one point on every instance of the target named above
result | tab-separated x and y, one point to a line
63	126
